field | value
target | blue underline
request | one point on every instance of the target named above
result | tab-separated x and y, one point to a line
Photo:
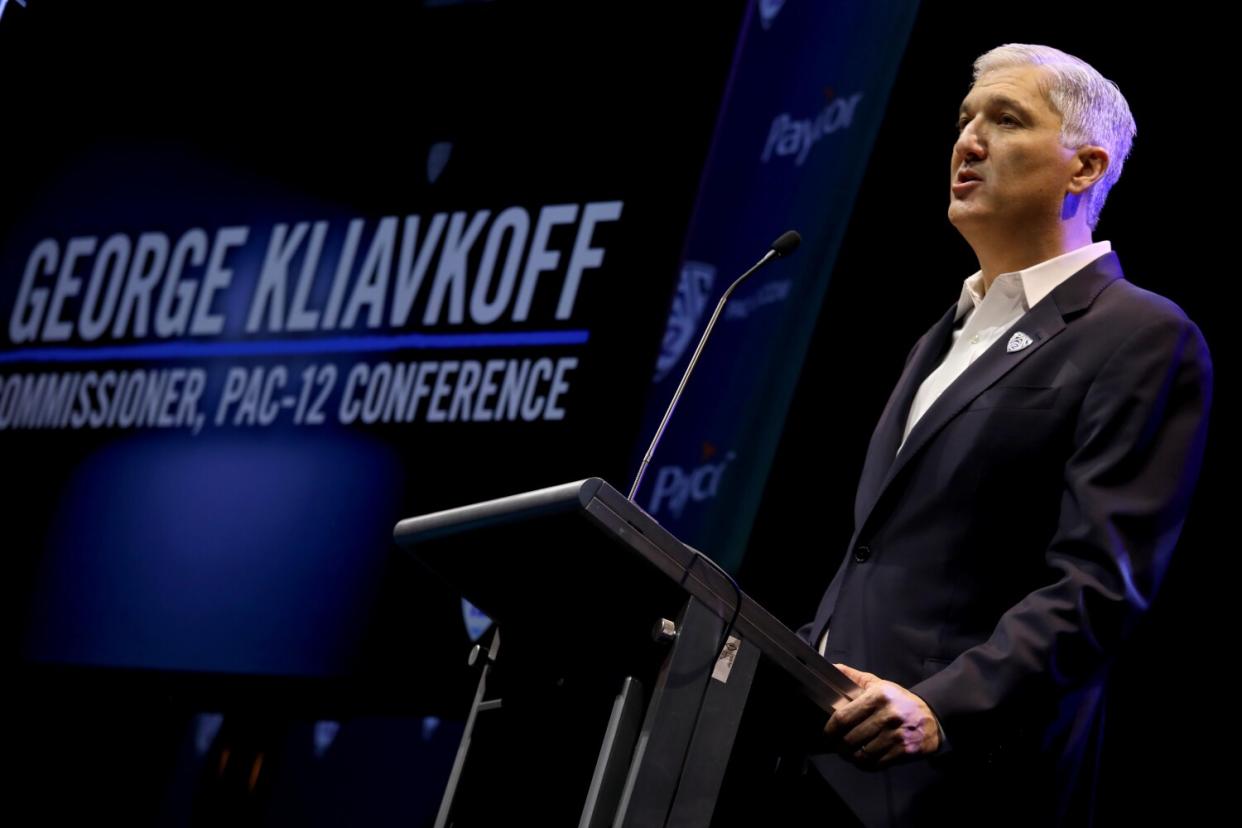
286	347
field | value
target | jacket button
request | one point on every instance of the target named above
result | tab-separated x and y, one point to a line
862	553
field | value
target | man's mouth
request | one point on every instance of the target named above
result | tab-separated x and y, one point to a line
967	180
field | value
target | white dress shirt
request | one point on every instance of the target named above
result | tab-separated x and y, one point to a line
987	317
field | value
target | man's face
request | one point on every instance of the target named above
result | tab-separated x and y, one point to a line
1009	172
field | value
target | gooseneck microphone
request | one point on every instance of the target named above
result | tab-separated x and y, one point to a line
783	246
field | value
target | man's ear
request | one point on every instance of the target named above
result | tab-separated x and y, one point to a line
1092	162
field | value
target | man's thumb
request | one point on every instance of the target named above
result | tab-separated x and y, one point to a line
857	676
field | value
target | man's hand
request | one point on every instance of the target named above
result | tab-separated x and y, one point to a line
884	725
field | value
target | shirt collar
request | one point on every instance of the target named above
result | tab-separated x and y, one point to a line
1038	280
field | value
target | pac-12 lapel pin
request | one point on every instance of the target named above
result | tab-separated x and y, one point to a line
1018	341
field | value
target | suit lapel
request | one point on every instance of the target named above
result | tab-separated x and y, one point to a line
887	436
1041	323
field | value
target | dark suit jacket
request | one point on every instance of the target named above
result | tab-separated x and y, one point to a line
1000	557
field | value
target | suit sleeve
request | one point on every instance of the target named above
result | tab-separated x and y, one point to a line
1137	449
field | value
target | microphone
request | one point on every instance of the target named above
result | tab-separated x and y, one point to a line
786	244
783	246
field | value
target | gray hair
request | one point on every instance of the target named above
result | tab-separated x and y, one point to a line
1092	108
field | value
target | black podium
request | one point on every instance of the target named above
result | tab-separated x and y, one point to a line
611	689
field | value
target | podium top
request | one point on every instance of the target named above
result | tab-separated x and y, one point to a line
581	558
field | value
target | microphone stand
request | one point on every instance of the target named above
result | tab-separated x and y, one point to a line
783	246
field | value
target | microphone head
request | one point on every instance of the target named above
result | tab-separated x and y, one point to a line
787	243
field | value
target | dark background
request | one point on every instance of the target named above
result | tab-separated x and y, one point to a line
108	743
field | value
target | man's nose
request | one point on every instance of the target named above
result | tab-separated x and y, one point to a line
970	143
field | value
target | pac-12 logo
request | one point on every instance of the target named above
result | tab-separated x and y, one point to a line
476	620
437	160
676	486
694	289
4	3
768	10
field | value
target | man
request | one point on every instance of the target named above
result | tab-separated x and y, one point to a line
1025	485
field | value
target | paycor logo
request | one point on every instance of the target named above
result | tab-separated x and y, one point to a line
796	137
676	486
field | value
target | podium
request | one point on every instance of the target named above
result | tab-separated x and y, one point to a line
612	686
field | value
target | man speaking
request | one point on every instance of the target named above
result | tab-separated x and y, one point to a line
1026	483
